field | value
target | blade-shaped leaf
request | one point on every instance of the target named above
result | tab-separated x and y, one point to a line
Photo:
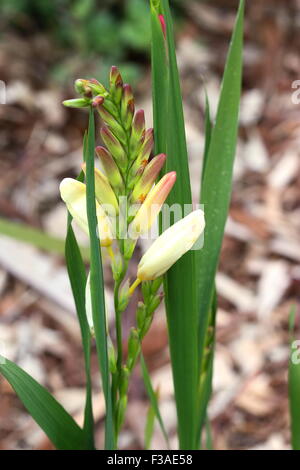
179	283
149	427
217	180
159	71
206	369
207	133
77	276
153	398
35	237
294	385
59	426
96	282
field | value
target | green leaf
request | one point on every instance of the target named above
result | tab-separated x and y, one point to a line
97	283
35	237
59	426
77	276
206	369
153	399
217	180
294	385
159	82
179	283
207	133
149	428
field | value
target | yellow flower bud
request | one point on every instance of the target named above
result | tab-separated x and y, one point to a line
170	246
73	193
152	205
104	192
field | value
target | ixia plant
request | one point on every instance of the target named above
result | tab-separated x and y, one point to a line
127	203
141	173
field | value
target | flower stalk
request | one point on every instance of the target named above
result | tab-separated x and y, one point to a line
129	174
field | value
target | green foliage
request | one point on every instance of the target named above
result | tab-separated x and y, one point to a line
111	29
189	284
294	384
35	237
59	426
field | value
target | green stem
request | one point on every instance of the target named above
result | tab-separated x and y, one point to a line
118	317
118	314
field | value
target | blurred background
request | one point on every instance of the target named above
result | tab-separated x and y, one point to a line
44	47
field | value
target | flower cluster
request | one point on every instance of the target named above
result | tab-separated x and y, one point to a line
130	174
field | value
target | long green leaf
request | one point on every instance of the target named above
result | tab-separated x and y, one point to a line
207	133
149	427
35	237
159	72
217	180
153	398
206	369
59	426
179	283
294	386
96	282
77	276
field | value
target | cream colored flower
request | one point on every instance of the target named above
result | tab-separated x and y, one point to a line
73	193
171	245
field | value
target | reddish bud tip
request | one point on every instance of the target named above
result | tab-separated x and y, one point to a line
139	121
97	101
163	24
130	106
127	90
115	76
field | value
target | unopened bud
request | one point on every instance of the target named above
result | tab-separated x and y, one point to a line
97	88
112	171
97	101
129	246
141	315
171	245
146	290
77	103
104	193
116	84
127	106
112	362
115	147
145	183
111	108
117	267
152	205
154	303
133	348
137	132
82	86
146	326
155	285
124	296
109	119
143	156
